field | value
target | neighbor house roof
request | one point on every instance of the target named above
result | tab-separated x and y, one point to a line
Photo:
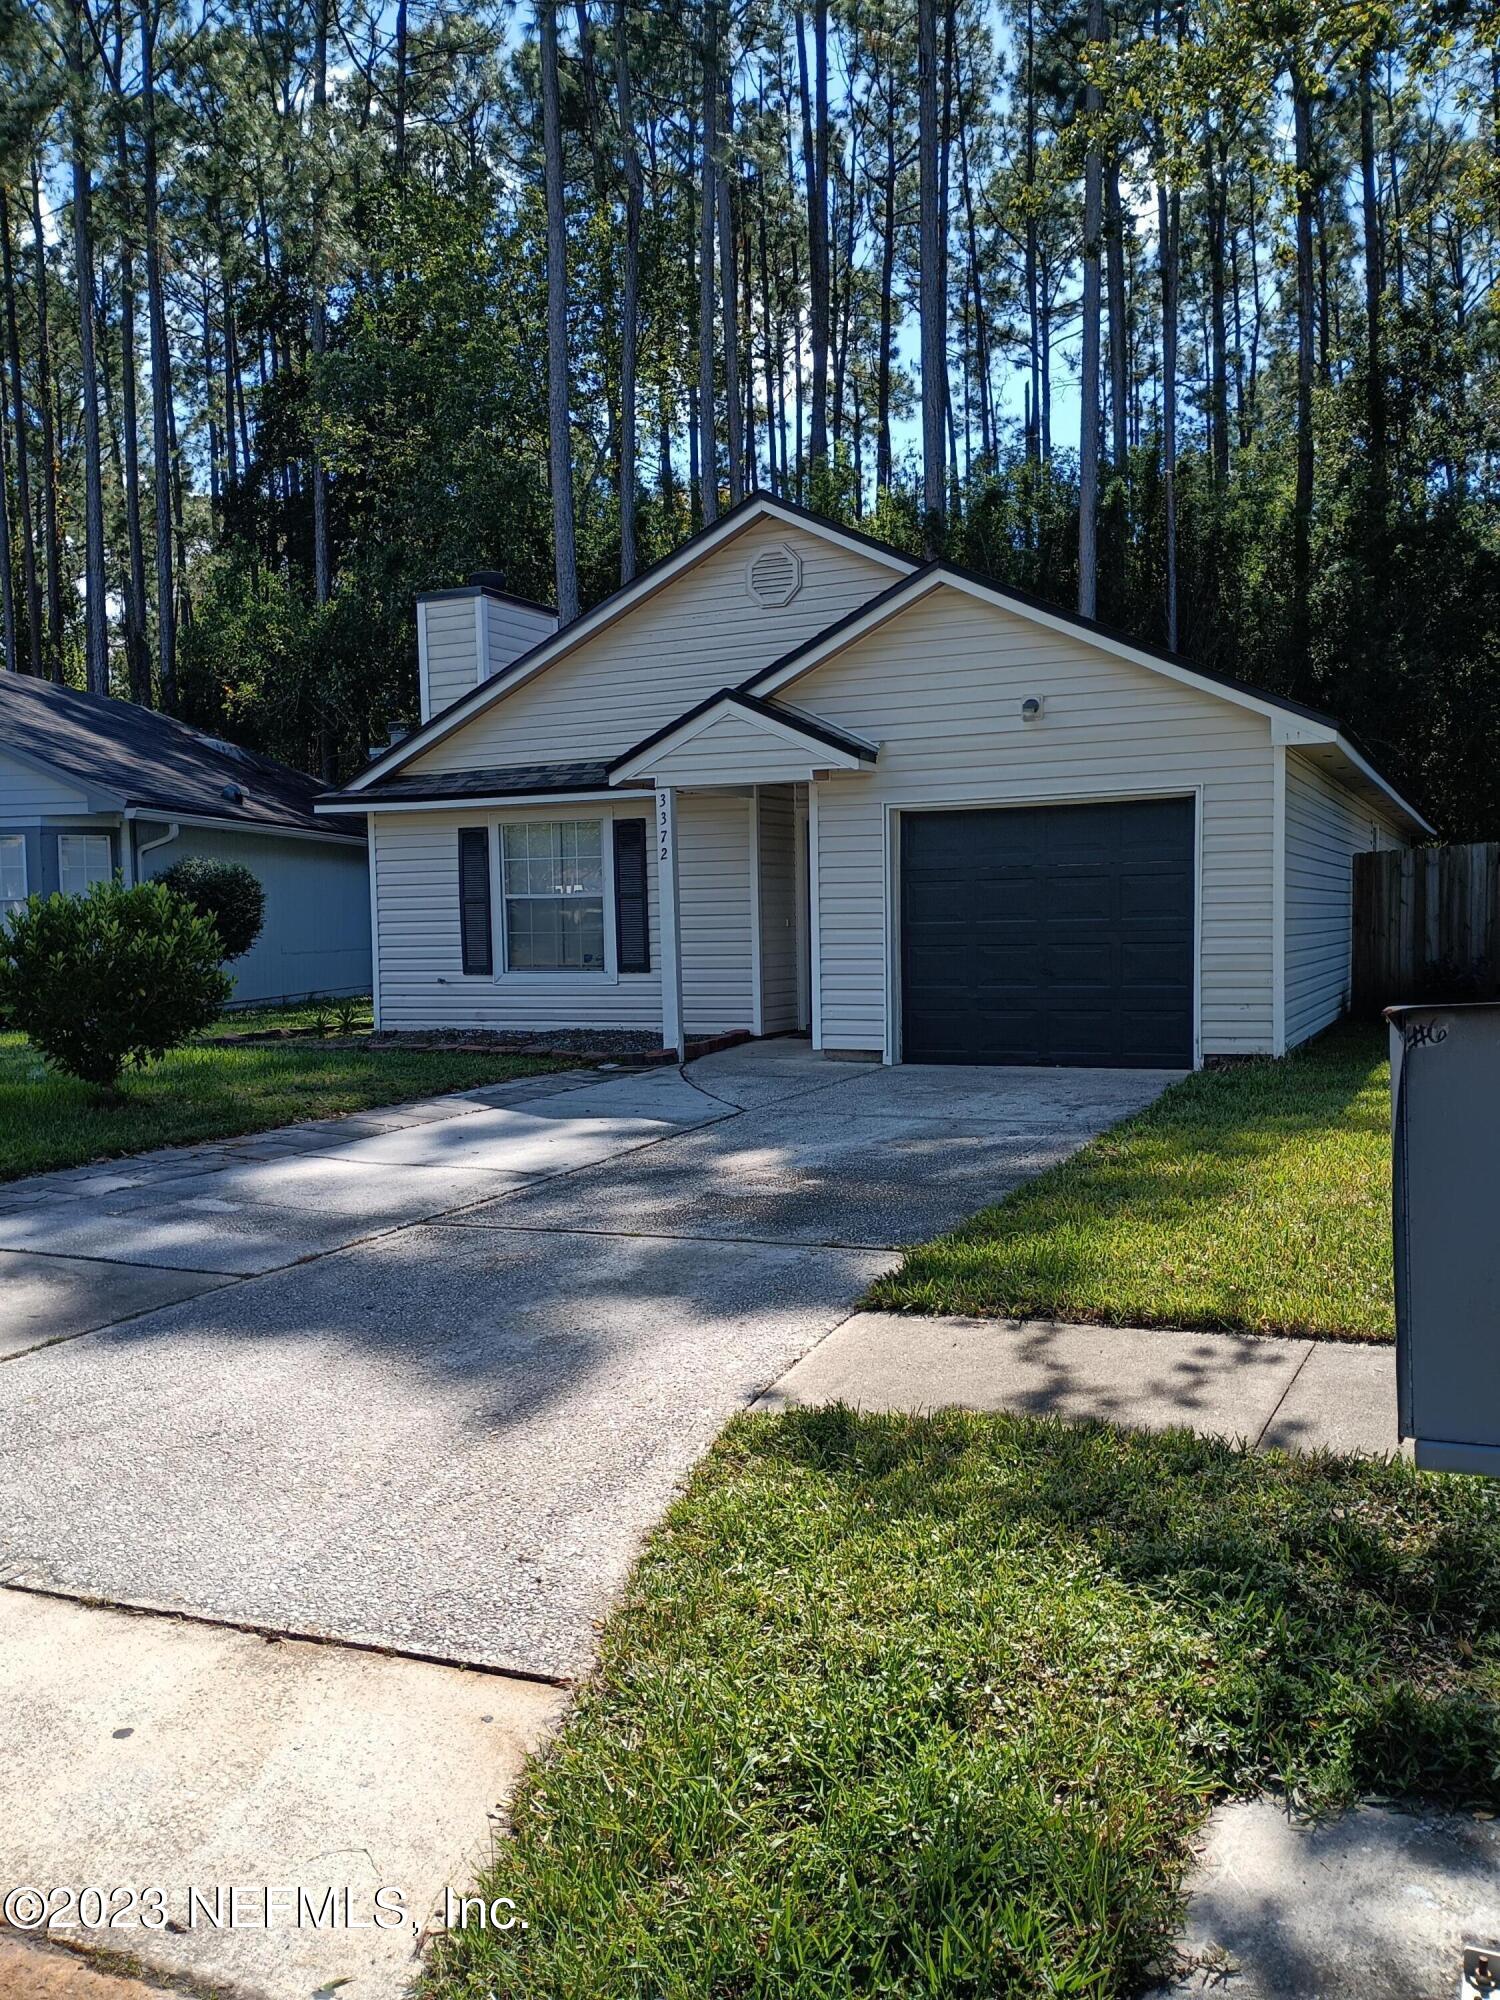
124	756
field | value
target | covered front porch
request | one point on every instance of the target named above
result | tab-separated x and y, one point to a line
735	863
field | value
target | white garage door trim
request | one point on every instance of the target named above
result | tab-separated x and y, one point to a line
891	1054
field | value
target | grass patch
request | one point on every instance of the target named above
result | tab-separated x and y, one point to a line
932	1706
207	1091
1253	1199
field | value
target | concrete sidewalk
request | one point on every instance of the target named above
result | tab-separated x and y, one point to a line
1304	1395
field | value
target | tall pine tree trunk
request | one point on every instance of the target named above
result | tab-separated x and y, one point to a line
1169	229
708	204
51	541
8	639
161	370
23	470
1033	315
883	458
728	305
96	630
934	331
1119	385
137	652
1302	517
630	303
813	91
318	311
1375	412
560	443
1088	387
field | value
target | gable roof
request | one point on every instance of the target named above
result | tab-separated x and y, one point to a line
557	645
789	724
1292	721
123	755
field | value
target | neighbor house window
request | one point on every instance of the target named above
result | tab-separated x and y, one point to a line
12	872
82	860
554	895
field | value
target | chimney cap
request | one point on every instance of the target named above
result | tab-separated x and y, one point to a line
487	579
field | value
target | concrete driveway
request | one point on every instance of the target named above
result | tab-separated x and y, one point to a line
422	1378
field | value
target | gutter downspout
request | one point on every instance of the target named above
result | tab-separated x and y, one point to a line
131	856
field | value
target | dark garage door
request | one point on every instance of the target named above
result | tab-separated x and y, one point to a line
1049	934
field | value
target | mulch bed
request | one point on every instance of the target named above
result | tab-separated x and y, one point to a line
635	1049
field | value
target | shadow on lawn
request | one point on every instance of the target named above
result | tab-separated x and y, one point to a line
1352	1603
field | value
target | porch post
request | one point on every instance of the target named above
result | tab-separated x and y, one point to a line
672	1036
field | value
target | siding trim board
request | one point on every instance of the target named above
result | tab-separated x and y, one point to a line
757	918
814	917
1278	899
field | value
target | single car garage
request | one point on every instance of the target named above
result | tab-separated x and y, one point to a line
1051	934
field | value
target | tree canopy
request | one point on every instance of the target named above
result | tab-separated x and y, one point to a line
1187	312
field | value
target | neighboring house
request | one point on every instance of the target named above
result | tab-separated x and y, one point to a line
91	788
789	778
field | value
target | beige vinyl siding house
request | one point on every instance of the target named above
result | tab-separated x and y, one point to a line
1326	826
906	811
636	672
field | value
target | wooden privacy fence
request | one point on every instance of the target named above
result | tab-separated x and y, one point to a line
1426	926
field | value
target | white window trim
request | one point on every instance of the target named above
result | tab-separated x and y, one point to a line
505	972
9	903
108	874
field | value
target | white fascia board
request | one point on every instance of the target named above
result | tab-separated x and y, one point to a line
1368	771
489	802
561	642
823	756
1298	732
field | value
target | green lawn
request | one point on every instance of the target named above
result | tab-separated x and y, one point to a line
1255	1198
902	1706
206	1091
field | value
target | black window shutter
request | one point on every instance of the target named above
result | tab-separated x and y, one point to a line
474	897
632	916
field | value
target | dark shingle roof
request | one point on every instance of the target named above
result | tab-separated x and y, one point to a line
513	781
150	760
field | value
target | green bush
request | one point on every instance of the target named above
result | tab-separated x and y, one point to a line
226	893
111	979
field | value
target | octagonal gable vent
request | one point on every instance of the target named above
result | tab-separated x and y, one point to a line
774	575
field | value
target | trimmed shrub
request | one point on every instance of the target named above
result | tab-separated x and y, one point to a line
112	979
227	894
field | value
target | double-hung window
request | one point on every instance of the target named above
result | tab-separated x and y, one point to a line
12	872
82	860
553	885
